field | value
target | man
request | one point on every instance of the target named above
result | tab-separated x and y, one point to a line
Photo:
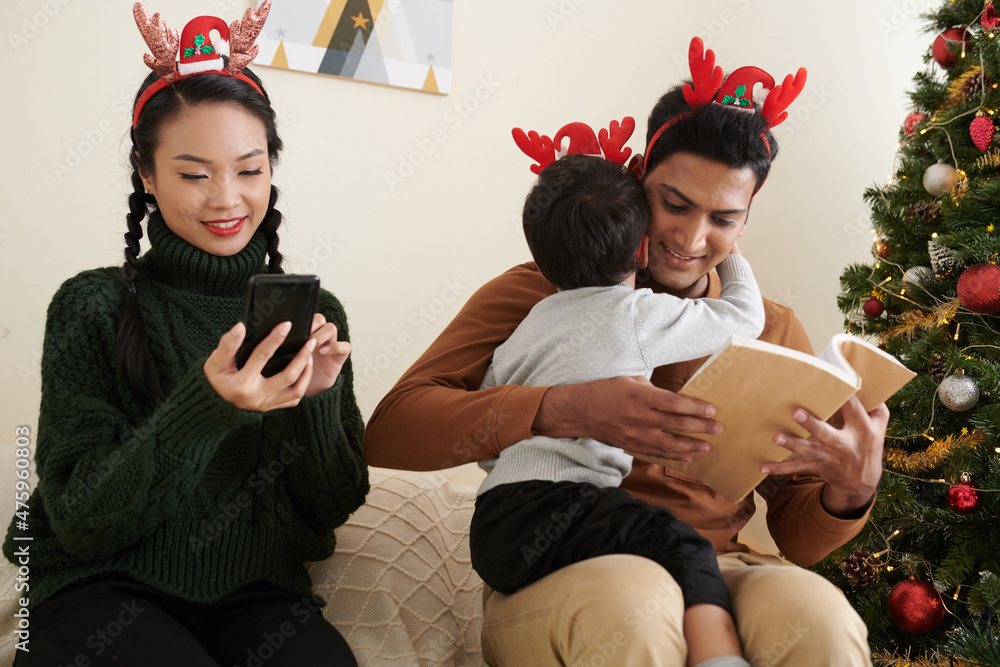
704	163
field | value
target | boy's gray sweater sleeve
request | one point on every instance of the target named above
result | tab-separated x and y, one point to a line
670	329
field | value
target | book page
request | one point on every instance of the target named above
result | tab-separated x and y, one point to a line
882	375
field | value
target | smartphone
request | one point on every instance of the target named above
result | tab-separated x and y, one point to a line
273	298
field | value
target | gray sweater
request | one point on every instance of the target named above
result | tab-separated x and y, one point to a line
591	333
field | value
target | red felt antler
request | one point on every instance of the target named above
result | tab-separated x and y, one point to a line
162	41
706	78
243	34
538	148
782	96
613	139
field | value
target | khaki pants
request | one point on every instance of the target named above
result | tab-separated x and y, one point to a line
626	611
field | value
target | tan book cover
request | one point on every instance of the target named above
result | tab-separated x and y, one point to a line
755	386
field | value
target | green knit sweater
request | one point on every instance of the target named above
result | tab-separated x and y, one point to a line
193	497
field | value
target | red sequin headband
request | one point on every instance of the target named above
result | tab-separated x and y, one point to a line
198	56
707	85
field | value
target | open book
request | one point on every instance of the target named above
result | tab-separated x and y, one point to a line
755	387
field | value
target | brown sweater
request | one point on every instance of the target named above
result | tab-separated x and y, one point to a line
434	418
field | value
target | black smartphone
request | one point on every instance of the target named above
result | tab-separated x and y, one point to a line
273	298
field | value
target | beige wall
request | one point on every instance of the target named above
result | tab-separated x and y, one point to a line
404	260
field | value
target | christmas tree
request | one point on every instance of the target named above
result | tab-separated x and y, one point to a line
924	574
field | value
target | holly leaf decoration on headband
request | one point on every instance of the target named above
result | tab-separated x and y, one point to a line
739	99
199	47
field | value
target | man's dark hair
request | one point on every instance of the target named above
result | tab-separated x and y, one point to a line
722	134
584	220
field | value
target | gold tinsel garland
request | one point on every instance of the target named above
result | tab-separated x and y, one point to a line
965	87
930	458
989	160
913	321
884	658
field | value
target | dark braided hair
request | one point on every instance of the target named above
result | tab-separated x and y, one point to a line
132	352
721	134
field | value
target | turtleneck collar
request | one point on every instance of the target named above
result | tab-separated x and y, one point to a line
174	261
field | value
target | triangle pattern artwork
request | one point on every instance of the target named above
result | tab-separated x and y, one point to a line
398	43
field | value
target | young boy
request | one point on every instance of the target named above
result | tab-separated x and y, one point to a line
547	503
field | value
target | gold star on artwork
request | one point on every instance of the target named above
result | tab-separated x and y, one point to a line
360	21
965	431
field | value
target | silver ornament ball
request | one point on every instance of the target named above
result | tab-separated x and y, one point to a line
940	178
918	275
958	392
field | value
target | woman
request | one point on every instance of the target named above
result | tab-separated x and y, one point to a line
179	497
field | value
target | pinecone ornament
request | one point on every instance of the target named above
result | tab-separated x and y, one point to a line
968	86
942	258
936	369
925	211
861	568
981	131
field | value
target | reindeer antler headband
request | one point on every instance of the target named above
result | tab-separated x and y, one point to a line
198	56
582	141
737	91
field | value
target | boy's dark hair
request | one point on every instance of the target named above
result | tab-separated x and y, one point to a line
715	132
584	220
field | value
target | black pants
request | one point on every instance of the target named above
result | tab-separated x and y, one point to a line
126	624
524	531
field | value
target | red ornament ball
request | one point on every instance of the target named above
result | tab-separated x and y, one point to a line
873	307
910	124
965	498
916	606
990	19
948	45
979	288
981	131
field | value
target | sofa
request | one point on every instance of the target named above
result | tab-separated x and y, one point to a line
400	586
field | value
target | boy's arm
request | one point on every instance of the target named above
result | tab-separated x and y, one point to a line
672	330
434	417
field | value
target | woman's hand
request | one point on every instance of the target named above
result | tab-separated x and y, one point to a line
245	387
329	356
629	413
